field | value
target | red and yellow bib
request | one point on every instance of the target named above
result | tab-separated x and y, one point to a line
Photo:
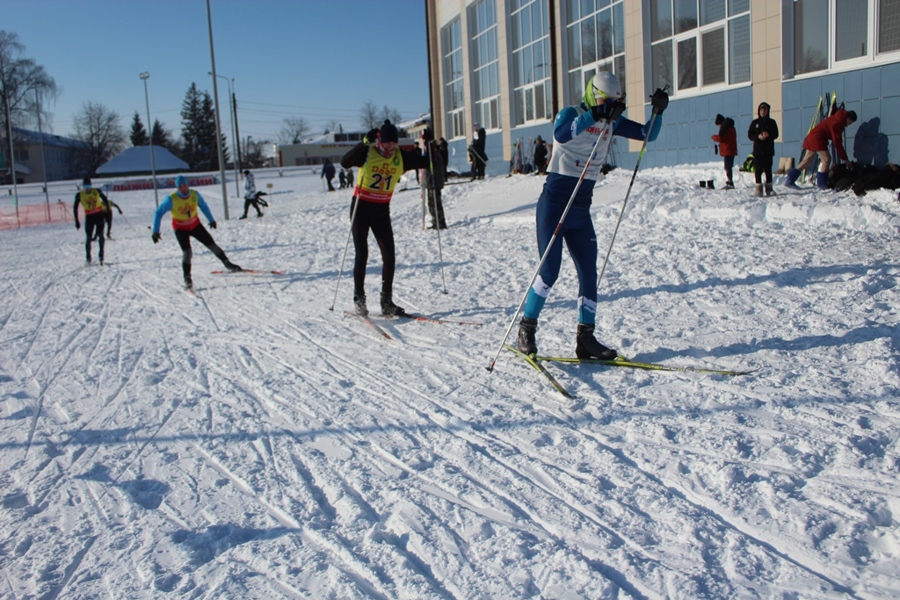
91	202
184	211
377	180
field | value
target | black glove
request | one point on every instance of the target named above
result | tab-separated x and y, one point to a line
156	237
715	149
608	111
428	135
77	225
371	137
660	101
212	225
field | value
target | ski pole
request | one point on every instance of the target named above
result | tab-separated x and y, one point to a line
627	193
435	215
347	244
556	231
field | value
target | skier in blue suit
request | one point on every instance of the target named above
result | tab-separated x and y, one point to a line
576	131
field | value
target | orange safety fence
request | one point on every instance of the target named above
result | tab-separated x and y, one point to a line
28	215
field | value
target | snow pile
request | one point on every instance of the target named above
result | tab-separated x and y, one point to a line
251	443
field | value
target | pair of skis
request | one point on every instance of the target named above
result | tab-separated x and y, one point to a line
537	363
414	317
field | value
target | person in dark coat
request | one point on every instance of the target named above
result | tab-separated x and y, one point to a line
445	155
479	158
434	181
763	132
816	143
540	156
95	205
328	172
381	162
727	140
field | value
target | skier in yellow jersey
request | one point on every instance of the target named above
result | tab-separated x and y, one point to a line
96	206
381	162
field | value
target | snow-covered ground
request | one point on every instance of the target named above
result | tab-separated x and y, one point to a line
252	443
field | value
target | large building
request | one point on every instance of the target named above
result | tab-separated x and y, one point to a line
41	157
510	65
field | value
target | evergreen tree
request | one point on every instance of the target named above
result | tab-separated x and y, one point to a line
138	133
191	127
163	137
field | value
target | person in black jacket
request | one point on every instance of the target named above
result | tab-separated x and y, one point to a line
479	158
540	156
328	172
382	162
763	132
434	181
95	205
445	155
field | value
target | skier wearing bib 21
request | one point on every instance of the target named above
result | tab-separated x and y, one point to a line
576	131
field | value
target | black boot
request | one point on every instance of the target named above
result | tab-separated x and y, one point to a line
527	329
243	216
359	302
586	346
389	309
232	268
188	282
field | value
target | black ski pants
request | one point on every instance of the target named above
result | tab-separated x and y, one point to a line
93	225
203	236
377	217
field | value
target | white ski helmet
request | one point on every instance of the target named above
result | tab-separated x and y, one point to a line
602	84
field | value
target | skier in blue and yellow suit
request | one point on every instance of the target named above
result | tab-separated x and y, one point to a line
184	205
95	205
576	130
381	163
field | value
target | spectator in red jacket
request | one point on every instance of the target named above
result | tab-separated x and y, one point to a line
816	144
727	139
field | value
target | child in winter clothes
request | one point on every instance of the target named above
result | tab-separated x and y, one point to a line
816	143
763	132
727	139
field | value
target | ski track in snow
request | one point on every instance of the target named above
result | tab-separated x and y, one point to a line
248	442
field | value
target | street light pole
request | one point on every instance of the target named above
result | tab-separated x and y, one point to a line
237	178
212	59
145	76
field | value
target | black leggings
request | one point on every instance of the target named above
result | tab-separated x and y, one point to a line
93	225
376	217
762	165
201	235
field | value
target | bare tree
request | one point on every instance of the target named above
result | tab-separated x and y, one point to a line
392	114
100	129
293	131
255	156
22	82
369	117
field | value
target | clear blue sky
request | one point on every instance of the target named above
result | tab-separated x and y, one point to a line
316	59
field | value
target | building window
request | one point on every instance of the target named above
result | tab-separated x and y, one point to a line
595	34
454	102
844	33
531	60
697	43
485	64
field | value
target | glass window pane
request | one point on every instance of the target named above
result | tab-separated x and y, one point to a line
528	66
739	49
687	64
714	56
588	42
529	104
619	27
520	107
810	45
526	27
572	9
712	11
685	15
515	24
538	30
619	70
604	33
539	107
541	70
736	7
660	19
575	88
889	26
575	46
587	7
661	57
851	19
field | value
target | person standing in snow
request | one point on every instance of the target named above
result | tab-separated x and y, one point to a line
444	149
816	143
184	205
251	196
381	162
540	156
328	172
763	132
479	157
576	131
434	181
727	140
95	205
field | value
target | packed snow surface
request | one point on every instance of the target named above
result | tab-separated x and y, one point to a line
255	441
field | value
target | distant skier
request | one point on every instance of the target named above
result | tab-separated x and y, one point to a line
382	162
328	172
727	140
816	144
251	196
576	131
95	205
184	205
763	131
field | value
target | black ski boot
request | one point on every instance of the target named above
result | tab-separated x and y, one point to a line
243	216
389	309
587	346
232	268
527	329
359	302
188	283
